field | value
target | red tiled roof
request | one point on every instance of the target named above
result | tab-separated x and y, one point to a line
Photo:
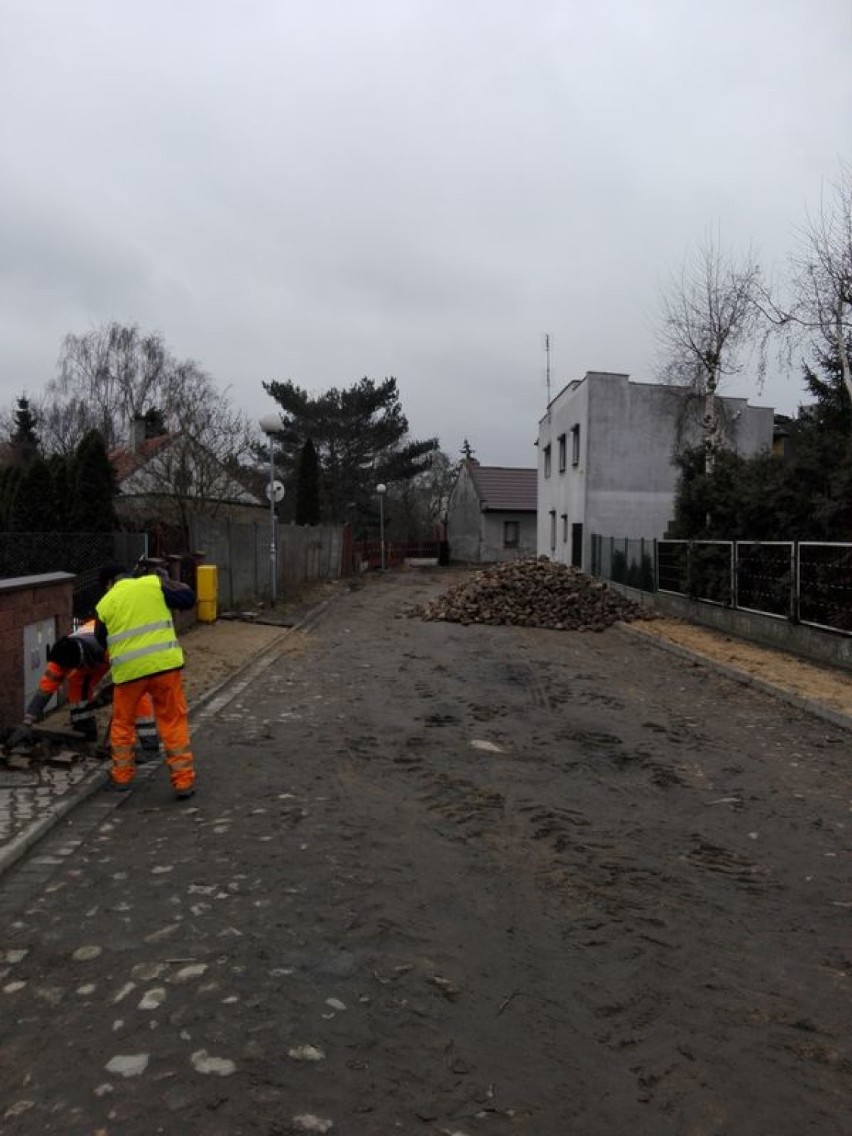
125	461
505	489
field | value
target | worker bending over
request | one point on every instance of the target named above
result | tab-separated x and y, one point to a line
80	660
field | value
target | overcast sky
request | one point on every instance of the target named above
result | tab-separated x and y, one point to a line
319	190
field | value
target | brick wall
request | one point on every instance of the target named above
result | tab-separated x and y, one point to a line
25	600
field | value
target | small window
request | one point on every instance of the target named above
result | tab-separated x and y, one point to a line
552	530
563	453
510	534
564	528
547	461
575	444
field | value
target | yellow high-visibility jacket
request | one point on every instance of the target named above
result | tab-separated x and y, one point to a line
141	637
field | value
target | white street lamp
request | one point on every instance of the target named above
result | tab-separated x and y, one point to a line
271	425
382	489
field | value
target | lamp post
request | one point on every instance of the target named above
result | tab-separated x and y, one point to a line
270	424
382	489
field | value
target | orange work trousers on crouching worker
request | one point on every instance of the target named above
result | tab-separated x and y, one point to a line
170	712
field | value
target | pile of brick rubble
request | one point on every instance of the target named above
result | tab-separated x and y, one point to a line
534	592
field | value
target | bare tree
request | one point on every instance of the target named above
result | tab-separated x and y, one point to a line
106	378
821	305
113	376
709	314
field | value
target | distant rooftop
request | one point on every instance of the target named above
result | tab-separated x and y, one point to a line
505	488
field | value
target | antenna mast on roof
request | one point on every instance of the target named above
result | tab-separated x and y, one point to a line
547	363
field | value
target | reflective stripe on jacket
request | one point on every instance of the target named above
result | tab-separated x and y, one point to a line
141	637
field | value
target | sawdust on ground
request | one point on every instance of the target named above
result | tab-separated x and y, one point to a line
214	651
828	686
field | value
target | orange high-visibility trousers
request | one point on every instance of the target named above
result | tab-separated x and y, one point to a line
81	683
171	714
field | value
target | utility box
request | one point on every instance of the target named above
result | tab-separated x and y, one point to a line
206	592
34	612
38	639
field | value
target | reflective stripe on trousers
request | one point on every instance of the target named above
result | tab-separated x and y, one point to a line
171	714
146	727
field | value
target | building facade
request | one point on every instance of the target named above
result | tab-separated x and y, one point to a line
491	515
605	458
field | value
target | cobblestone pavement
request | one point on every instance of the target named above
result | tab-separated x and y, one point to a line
447	880
32	802
35	800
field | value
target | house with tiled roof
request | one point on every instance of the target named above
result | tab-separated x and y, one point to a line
491	514
169	481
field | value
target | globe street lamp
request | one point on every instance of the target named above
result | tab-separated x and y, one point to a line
382	489
271	425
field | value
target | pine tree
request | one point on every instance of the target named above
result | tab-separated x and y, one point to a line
25	423
23	437
62	478
360	437
307	486
9	478
33	506
92	488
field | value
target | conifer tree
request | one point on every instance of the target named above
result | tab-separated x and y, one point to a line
33	507
360	435
9	478
25	423
93	488
307	486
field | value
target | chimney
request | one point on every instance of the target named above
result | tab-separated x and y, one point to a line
137	434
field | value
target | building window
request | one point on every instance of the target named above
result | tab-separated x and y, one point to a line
564	528
547	461
575	444
552	530
510	534
563	453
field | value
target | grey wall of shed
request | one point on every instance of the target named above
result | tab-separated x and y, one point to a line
491	547
464	519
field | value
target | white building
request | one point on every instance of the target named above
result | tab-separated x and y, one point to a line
605	449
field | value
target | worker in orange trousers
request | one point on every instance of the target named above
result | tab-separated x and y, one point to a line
135	624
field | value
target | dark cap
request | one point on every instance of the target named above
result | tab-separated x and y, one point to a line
110	572
66	652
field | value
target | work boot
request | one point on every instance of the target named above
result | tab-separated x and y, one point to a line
185	794
119	786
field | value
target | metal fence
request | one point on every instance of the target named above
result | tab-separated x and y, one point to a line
803	581
82	554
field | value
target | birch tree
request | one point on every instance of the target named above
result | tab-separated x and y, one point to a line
709	314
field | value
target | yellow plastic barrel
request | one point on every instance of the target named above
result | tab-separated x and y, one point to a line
206	592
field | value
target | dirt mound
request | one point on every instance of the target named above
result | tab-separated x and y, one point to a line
535	592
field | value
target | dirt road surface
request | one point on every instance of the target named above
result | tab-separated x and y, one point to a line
449	880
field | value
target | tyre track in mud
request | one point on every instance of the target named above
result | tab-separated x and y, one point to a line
605	802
